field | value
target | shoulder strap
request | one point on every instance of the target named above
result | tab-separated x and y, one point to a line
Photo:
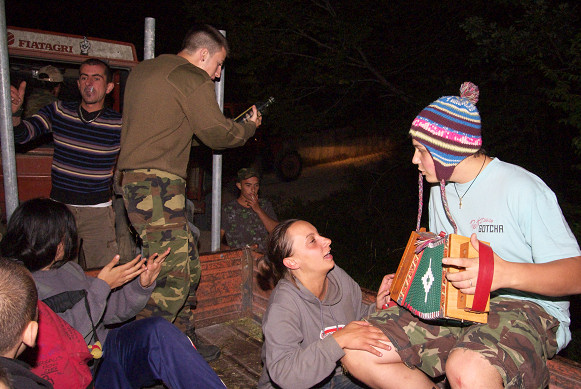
65	300
485	273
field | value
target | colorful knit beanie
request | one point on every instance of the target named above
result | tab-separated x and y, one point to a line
450	129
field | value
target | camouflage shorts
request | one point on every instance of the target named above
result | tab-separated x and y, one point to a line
155	202
517	340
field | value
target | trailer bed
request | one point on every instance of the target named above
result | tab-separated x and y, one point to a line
230	308
239	365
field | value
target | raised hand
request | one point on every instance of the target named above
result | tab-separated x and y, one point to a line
17	96
153	267
466	280
252	202
256	117
383	292
117	276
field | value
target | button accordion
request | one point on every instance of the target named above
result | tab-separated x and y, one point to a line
420	283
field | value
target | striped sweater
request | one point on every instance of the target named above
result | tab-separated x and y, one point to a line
84	154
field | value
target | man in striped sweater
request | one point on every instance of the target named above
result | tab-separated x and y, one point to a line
86	144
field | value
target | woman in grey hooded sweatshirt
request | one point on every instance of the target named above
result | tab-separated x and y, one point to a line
314	312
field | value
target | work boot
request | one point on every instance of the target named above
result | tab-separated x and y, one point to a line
208	351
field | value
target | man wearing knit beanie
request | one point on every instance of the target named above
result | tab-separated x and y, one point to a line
449	128
537	262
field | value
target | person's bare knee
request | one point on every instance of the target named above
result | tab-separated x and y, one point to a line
357	359
368	367
466	368
387	371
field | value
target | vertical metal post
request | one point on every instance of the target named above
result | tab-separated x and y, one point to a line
217	174
149	39
6	129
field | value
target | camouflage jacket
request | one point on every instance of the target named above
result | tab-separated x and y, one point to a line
242	226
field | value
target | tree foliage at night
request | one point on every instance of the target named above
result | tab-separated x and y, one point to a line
375	64
541	49
330	62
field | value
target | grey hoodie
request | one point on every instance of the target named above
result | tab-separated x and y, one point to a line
298	351
107	306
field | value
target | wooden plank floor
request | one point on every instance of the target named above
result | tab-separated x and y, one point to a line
239	364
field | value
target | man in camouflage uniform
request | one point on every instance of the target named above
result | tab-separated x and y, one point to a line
248	220
168	101
46	86
536	264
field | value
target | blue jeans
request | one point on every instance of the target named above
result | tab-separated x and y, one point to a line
144	351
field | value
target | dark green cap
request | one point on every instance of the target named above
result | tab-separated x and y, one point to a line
245	173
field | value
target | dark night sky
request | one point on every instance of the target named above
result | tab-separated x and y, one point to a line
110	19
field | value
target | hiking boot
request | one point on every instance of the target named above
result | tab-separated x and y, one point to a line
208	351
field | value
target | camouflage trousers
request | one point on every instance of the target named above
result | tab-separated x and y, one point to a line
517	340
155	202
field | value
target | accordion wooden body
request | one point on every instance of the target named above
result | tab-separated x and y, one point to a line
420	283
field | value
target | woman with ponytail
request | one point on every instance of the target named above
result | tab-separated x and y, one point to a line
314	313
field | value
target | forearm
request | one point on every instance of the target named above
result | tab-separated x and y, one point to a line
292	360
226	134
304	367
126	302
269	223
26	130
21	134
212	128
556	278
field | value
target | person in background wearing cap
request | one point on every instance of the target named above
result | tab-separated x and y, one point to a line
248	220
86	144
46	86
537	262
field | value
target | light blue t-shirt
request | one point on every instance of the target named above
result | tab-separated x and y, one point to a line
517	213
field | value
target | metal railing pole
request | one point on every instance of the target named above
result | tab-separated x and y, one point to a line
149	39
217	174
6	129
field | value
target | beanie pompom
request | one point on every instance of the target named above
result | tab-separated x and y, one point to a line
469	91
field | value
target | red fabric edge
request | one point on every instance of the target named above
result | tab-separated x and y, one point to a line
485	274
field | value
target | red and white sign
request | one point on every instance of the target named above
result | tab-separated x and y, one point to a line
42	41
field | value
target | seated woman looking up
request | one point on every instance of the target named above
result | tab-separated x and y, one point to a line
42	235
314	312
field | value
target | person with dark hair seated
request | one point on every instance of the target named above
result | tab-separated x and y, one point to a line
42	234
314	314
18	326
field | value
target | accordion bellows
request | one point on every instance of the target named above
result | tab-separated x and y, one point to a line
420	283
